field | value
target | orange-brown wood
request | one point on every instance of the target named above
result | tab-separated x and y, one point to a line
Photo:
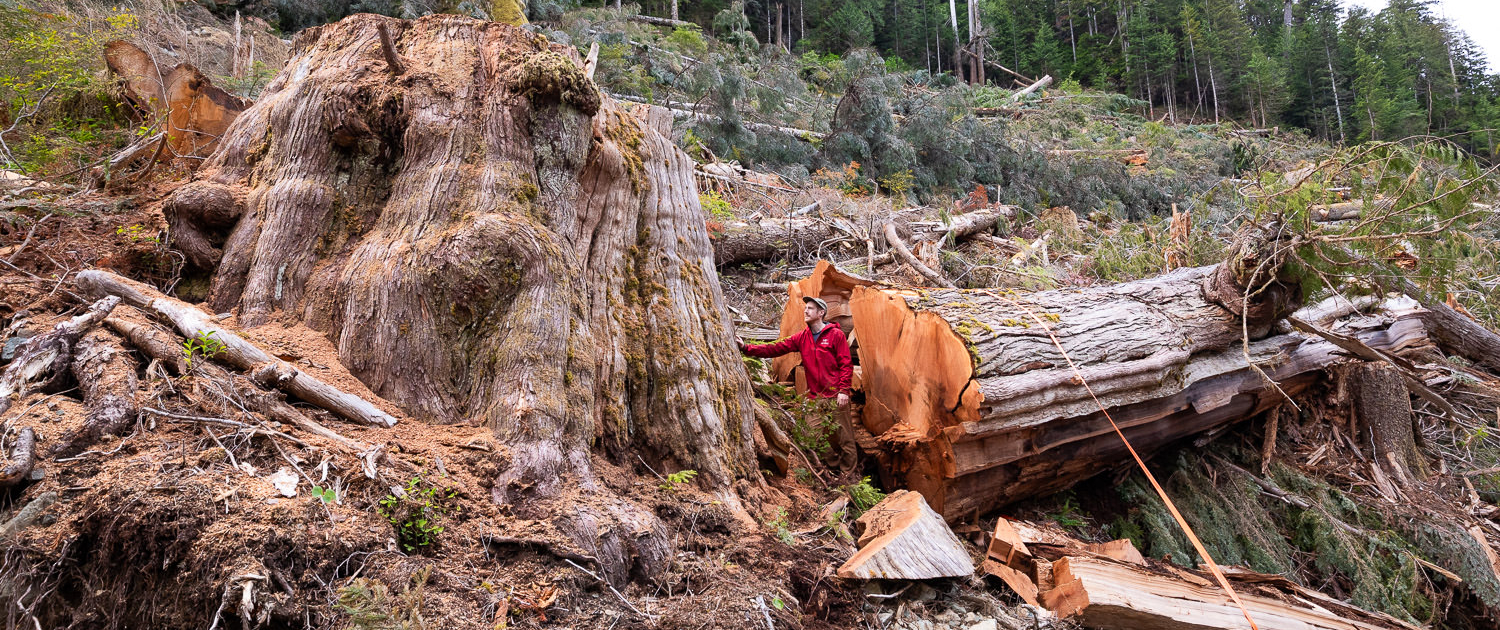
1007	546
1122	550
829	284
1016	580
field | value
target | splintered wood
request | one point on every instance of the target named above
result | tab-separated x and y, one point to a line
904	539
1110	586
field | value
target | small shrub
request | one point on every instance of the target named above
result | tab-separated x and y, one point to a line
716	205
782	527
864	495
417	512
677	479
202	345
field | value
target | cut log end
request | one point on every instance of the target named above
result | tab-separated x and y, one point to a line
905	540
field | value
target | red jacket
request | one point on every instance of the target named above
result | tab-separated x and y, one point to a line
825	357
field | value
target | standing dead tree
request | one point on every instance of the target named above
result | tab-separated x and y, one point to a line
487	240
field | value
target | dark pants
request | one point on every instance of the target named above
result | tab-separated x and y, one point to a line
841	438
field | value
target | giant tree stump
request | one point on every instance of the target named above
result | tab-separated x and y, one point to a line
486	240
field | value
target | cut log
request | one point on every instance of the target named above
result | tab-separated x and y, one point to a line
832	286
1455	332
190	109
796	238
48	355
22	459
1040	83
1116	596
242	354
106	374
660	21
977	408
903	539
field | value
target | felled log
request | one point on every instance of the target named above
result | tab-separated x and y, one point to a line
1040	83
744	241
191	110
1345	210
192	323
660	21
904	539
976	408
1117	596
48	355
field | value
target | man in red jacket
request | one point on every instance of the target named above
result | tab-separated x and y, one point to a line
825	359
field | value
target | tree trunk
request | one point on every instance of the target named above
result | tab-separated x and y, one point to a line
975	407
1382	407
488	241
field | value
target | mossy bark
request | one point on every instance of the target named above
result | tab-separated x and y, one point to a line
487	241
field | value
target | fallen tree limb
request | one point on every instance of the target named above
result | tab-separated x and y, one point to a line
894	240
193	323
162	347
743	241
659	21
1346	210
1040	83
681	110
106	374
1456	333
49	353
22	459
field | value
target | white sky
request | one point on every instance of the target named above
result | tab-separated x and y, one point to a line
1479	18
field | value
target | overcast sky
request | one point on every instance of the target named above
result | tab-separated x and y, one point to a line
1479	18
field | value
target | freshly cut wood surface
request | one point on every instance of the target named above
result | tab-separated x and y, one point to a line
904	539
1116	596
1016	580
977	408
827	283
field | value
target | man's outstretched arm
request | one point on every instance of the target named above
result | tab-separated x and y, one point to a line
776	349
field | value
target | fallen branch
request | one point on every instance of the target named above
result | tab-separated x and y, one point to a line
1040	83
158	345
29	233
49	353
194	323
22	459
894	240
106	374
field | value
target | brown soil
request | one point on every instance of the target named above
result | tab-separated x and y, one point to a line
164	527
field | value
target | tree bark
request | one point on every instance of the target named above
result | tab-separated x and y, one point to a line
47	356
978	408
106	374
1382	407
487	240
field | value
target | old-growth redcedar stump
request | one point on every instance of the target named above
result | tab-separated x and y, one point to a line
486	240
974	407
